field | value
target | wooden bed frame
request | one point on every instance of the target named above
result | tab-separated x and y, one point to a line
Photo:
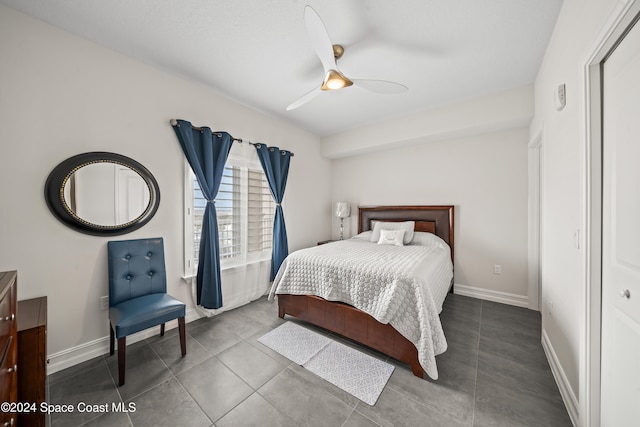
355	324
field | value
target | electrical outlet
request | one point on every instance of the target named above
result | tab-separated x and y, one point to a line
497	269
550	307
104	303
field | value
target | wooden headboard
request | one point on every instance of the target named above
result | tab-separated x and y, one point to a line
432	219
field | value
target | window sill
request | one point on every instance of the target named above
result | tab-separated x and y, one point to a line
230	266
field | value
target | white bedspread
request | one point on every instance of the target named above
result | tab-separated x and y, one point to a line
403	286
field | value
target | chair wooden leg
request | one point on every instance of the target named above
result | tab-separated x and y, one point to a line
112	339
183	338
162	330
122	345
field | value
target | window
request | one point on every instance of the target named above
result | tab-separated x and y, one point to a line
261	211
245	211
228	208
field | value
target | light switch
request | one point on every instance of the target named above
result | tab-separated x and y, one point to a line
561	97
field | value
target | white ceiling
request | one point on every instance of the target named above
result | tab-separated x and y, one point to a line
258	52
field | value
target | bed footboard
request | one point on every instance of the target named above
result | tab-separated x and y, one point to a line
351	323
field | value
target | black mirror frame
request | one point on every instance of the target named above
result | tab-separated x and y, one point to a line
54	193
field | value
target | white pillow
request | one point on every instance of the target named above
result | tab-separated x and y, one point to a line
427	239
365	235
391	237
407	226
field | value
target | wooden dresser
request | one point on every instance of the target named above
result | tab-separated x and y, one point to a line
32	358
8	344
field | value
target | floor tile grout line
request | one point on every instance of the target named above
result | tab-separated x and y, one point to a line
195	401
151	342
174	376
234	372
106	366
104	360
254	391
117	388
475	383
359	413
113	380
268	401
180	382
348	416
420	402
223	364
101	357
247	341
331	336
150	388
322	389
363	415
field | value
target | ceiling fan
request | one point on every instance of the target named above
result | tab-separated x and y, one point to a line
329	53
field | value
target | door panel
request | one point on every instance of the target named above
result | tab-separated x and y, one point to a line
620	382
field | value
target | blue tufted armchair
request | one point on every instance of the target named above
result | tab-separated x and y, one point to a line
138	297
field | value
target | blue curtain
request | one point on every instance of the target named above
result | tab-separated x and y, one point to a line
275	163
207	153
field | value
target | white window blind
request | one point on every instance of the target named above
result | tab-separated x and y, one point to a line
245	211
261	211
228	209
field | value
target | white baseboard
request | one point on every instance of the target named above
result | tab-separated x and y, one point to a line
568	396
489	295
87	351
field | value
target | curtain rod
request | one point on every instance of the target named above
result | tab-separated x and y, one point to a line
174	122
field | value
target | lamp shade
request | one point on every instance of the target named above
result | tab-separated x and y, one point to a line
343	210
335	80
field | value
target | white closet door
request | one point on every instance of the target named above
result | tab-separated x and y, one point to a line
620	391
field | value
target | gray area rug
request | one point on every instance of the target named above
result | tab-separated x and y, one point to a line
353	371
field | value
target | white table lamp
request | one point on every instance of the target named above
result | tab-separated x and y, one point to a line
343	210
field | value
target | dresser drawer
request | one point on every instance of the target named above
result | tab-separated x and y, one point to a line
8	376
8	344
32	358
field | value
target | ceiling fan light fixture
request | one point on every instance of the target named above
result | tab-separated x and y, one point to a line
328	54
335	80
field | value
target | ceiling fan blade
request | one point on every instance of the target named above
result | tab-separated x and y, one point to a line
304	99
380	86
319	38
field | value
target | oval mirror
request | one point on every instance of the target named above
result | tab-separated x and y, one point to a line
102	193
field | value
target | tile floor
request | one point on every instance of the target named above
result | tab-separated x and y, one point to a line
493	374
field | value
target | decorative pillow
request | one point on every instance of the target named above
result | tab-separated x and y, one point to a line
391	237
407	226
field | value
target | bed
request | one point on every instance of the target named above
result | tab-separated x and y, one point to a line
333	314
